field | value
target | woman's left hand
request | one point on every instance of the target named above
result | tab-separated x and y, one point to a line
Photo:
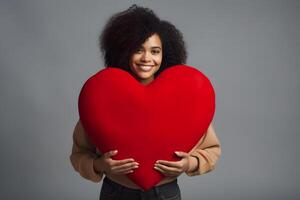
171	168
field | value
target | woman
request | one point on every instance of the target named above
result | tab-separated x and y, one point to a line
137	41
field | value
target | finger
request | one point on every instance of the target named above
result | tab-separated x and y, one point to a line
169	170
110	153
125	170
159	169
181	154
122	171
122	162
165	172
131	165
168	163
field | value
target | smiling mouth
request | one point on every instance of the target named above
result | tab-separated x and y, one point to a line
145	68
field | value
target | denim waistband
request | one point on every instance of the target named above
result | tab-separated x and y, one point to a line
153	190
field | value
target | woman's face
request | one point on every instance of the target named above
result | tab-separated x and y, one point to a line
147	60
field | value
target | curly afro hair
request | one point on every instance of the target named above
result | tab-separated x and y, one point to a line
126	31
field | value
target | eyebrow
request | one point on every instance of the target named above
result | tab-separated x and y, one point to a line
155	47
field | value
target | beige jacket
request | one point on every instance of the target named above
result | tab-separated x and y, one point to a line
207	150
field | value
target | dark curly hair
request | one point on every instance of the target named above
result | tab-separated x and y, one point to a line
126	31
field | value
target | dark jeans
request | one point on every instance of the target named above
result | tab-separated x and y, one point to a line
113	191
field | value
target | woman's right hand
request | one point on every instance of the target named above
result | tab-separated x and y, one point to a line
106	164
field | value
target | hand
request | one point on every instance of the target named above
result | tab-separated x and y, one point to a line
171	168
106	164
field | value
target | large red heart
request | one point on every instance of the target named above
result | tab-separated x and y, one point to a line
147	122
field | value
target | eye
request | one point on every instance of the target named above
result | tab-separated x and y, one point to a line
139	50
155	51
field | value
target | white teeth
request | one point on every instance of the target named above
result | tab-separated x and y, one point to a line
145	68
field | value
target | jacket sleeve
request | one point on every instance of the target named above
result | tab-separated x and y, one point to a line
83	155
207	151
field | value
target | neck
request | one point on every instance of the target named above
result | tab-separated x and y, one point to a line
146	81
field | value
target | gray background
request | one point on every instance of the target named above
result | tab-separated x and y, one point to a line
249	49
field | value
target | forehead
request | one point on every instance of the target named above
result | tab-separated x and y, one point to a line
153	41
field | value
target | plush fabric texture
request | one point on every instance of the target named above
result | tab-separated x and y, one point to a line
147	122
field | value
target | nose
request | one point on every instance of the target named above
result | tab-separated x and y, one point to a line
145	57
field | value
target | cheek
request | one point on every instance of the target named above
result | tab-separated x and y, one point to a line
158	60
134	59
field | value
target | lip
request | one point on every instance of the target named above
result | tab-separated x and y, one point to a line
145	68
145	65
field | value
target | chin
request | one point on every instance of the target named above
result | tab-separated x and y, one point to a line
144	75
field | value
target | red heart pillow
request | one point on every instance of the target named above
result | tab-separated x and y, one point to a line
147	122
